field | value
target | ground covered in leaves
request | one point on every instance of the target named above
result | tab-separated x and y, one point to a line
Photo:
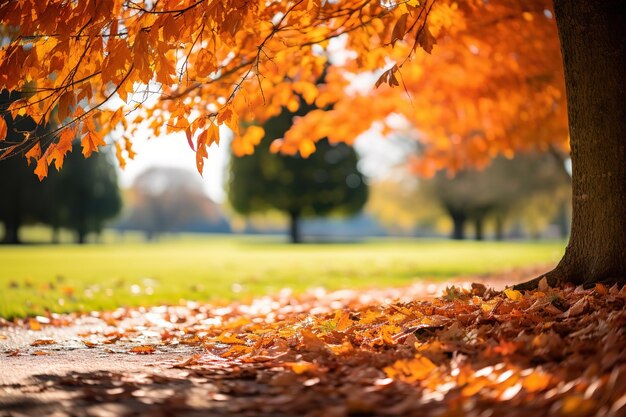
470	352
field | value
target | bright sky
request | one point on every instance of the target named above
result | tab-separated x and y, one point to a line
378	158
173	151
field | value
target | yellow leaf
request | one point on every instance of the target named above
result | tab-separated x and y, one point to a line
513	294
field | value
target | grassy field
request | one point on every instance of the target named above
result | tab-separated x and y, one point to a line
104	276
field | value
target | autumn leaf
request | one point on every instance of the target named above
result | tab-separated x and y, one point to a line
43	342
311	342
189	137
399	30
3	129
537	381
302	367
513	294
33	324
91	142
143	349
63	146
411	370
426	39
41	170
33	153
306	148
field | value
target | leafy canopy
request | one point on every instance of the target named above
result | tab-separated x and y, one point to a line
492	85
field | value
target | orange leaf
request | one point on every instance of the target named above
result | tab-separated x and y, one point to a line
91	141
43	342
41	170
411	370
536	382
189	139
3	129
306	148
63	146
33	324
33	153
143	349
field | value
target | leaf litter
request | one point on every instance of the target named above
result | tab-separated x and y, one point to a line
472	351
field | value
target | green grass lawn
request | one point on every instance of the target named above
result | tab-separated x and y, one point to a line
104	276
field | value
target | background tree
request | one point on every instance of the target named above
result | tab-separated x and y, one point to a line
476	196
327	182
527	192
19	204
22	195
85	194
166	200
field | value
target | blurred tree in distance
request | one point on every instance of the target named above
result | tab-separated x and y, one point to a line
327	182
79	198
85	193
473	196
505	191
165	200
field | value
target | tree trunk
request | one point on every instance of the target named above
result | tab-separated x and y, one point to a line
563	220
593	43
11	233
478	228
81	236
499	228
294	226
55	234
458	220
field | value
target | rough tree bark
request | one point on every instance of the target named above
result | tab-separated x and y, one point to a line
593	43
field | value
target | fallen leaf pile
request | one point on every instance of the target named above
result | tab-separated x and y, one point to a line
470	352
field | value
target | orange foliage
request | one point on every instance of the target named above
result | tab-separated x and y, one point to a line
473	79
